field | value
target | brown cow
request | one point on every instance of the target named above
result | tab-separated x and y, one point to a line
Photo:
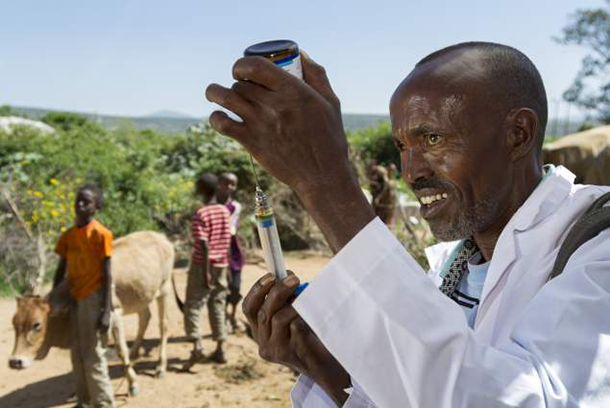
142	266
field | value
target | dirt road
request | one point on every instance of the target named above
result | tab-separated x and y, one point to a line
246	381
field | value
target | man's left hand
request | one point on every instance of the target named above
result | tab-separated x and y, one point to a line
283	336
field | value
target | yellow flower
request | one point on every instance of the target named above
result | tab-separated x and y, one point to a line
54	213
54	181
37	194
63	229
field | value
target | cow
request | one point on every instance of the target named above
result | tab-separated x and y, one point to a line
586	154
142	266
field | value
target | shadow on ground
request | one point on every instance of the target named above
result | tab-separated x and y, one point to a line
56	391
50	392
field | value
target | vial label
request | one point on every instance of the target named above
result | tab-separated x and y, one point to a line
292	65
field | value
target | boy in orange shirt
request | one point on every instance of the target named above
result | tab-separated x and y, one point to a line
85	251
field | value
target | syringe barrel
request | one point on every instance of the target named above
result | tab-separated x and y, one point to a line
272	248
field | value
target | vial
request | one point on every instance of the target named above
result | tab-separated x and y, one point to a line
283	53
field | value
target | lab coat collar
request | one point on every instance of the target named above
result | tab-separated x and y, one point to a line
542	203
544	199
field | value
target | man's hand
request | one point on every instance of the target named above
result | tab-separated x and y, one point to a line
104	321
295	131
283	336
293	128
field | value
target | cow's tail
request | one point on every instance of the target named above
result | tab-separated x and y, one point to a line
179	301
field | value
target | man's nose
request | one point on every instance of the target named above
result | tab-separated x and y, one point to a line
415	166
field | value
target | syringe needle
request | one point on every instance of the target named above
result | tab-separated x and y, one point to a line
254	170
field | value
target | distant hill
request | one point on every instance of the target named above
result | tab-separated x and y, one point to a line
159	124
174	122
169	114
167	121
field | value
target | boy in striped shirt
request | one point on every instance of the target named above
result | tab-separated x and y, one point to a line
207	276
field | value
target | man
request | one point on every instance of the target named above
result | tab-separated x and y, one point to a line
469	122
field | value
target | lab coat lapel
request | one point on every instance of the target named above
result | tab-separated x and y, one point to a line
543	202
497	274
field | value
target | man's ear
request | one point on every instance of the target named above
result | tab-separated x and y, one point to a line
522	135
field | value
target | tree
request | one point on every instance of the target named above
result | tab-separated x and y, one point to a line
6	110
591	87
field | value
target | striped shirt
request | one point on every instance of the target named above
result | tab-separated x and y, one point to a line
211	224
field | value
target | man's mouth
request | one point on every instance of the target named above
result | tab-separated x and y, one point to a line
431	198
432	202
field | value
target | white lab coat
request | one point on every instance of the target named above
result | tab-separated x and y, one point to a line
405	344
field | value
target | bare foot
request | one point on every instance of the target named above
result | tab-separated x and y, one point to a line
197	356
218	357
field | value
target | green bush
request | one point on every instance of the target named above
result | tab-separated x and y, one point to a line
375	143
147	179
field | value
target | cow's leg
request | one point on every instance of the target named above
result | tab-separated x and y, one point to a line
143	320
163	325
118	332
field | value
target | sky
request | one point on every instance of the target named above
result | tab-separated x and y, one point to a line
133	58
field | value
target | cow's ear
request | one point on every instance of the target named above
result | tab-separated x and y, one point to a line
19	299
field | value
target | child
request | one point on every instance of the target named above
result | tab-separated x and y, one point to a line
227	185
85	251
207	280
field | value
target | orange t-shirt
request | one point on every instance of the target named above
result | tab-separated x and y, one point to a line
85	249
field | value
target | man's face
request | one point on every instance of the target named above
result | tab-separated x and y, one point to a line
452	153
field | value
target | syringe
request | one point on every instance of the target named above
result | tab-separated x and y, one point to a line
267	231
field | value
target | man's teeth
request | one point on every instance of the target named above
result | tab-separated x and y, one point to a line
432	198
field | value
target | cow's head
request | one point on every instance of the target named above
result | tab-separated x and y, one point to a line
30	323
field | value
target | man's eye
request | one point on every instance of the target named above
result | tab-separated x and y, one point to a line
433	139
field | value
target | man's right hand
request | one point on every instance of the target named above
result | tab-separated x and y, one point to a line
294	129
283	336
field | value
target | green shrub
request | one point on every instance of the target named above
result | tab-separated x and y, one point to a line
375	143
147	179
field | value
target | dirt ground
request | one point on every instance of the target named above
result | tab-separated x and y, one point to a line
246	381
